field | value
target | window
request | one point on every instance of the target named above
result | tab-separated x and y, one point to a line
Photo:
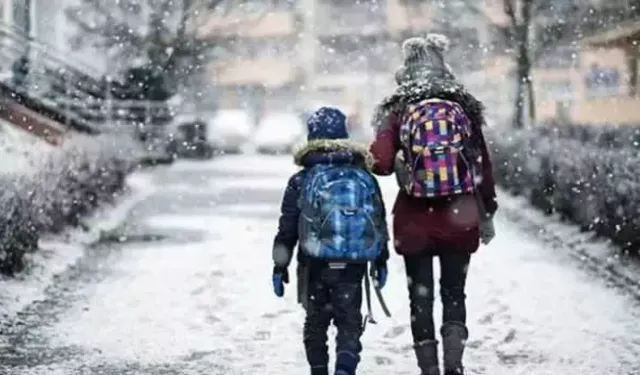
351	55
602	82
284	4
263	6
256	48
563	7
352	14
559	58
555	91
21	14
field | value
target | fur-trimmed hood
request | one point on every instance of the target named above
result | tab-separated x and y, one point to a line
326	151
416	90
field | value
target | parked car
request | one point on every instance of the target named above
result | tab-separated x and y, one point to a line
187	137
230	130
190	141
278	132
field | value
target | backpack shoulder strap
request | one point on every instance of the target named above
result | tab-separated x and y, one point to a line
376	288
367	289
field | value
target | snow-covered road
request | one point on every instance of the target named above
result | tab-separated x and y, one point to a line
198	299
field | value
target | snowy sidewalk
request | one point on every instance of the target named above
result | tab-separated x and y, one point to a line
200	302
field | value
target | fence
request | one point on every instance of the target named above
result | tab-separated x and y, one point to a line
78	93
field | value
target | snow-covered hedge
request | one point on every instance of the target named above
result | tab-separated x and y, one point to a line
58	188
585	182
601	135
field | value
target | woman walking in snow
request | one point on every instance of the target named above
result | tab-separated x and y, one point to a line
429	133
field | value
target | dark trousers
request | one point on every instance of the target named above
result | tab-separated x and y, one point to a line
334	295
453	276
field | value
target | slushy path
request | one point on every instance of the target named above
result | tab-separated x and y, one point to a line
198	300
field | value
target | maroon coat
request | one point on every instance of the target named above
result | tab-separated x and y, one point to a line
433	225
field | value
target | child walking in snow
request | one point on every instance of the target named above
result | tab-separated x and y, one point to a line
333	210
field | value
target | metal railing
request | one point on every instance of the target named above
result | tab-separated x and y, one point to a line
60	57
78	92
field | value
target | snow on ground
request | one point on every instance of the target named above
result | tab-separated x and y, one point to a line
206	306
57	252
596	253
23	154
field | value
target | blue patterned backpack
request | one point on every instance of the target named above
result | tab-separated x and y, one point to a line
342	215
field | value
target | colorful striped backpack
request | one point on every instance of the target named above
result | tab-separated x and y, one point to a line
438	162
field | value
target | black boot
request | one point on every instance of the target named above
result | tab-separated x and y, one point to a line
427	356
454	338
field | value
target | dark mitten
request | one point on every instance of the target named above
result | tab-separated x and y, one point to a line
279	278
379	274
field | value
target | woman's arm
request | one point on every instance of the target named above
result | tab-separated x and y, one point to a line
386	143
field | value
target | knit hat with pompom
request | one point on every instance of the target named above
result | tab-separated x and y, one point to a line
424	58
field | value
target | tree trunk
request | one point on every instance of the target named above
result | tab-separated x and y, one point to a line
527	9
523	68
518	117
531	96
525	92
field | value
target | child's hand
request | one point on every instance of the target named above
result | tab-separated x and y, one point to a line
279	278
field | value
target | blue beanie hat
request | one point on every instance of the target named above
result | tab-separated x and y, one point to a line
327	123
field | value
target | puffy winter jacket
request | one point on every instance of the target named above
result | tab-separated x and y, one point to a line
335	152
435	225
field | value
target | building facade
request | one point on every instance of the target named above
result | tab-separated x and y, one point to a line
45	21
593	78
295	53
590	74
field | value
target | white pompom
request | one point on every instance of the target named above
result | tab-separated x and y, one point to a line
438	42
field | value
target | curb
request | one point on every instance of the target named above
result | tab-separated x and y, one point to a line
596	253
109	218
152	161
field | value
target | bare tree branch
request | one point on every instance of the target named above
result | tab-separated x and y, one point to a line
192	8
476	9
472	6
543	6
110	32
509	9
